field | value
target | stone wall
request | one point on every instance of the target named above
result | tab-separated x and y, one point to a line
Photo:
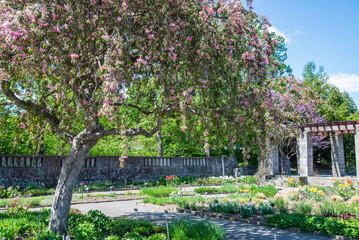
44	170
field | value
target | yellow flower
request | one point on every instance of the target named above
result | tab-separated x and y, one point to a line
350	202
356	209
299	181
285	184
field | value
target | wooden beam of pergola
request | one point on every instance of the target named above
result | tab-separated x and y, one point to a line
322	129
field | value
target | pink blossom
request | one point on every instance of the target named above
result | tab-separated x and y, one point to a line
74	55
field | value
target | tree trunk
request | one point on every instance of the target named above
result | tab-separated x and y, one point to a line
298	157
286	165
207	150
70	171
159	142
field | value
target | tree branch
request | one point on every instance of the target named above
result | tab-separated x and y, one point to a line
137	107
36	110
114	131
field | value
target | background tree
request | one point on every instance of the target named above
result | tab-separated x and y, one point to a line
334	106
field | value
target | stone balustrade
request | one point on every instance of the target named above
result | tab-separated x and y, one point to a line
44	170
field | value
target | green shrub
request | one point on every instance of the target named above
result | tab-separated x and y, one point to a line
31	186
265	209
10	192
186	229
268	191
303	207
132	235
93	225
49	235
159	200
228	207
281	205
38	192
187	179
335	208
156	192
22	223
226	188
113	237
157	236
248	179
247	211
215	180
202	190
325	225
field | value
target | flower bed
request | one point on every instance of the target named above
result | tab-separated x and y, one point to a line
95	225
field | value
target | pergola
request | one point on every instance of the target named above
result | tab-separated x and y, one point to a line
335	130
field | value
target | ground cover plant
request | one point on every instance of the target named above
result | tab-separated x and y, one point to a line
185	229
324	225
94	225
268	191
160	191
226	179
31	190
187	202
319	205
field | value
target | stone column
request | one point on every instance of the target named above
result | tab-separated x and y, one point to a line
305	154
356	138
337	153
273	161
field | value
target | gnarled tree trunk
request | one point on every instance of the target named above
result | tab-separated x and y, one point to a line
70	171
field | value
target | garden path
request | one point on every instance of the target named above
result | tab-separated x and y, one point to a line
155	213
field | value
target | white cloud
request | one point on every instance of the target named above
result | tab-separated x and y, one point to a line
288	37
345	81
280	33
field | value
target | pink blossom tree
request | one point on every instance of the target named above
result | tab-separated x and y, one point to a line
90	69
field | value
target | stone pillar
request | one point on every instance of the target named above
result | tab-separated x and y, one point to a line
273	161
337	153
305	154
356	138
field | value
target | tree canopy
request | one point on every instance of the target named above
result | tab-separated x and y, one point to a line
335	105
90	69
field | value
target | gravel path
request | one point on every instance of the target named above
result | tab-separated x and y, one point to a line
155	213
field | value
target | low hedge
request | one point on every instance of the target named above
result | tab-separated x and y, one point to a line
268	191
325	225
158	192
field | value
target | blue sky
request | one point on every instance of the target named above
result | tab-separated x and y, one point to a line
323	31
